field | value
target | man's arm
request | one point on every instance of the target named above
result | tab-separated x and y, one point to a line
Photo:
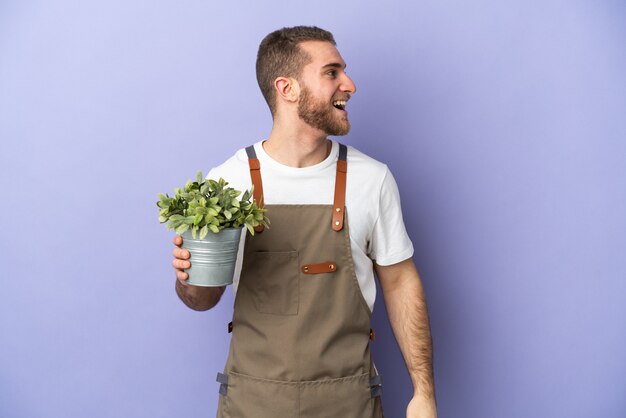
406	308
196	297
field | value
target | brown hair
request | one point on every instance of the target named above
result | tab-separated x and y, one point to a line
280	56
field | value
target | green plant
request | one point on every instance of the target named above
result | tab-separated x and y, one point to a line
208	205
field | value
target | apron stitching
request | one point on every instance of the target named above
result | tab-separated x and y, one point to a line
302	382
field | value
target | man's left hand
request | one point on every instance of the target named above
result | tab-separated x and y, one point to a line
421	408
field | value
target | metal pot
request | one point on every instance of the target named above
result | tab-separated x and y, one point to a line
212	258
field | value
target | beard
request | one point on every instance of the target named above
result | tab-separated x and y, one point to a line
321	115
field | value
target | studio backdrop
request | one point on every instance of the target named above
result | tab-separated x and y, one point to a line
502	122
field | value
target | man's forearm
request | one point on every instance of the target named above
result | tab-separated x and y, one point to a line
406	308
199	298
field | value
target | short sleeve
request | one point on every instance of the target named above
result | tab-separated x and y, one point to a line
390	243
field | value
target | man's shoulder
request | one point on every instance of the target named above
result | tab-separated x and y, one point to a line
234	170
236	161
362	163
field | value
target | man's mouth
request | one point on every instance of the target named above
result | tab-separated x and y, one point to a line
340	104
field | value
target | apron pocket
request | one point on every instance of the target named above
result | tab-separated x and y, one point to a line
273	280
253	397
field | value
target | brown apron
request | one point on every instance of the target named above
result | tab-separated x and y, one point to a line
301	327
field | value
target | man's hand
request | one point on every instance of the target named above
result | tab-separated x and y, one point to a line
196	297
421	408
181	260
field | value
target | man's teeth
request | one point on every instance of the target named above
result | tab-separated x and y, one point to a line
340	104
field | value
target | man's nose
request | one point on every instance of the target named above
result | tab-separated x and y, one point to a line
348	85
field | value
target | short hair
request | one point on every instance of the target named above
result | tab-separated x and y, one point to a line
280	56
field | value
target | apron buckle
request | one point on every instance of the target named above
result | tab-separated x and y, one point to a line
222	379
376	385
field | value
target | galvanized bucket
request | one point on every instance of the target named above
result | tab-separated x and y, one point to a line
212	258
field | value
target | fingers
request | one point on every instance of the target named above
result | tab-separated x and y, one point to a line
178	240
180	253
179	264
182	276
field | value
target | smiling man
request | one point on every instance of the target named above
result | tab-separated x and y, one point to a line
305	286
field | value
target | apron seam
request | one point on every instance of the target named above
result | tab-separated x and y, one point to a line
302	382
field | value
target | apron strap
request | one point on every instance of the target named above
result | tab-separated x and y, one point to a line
339	202
257	184
340	189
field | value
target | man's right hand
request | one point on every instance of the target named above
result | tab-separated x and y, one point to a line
196	297
181	261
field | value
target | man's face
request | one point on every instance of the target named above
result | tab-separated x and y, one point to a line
325	89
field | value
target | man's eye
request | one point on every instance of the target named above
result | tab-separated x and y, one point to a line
332	73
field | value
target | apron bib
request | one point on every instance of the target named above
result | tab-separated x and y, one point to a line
301	327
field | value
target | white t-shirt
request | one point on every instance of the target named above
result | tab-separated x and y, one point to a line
376	227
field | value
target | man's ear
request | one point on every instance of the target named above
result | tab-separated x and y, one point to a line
287	89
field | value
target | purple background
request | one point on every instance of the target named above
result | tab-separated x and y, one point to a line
503	122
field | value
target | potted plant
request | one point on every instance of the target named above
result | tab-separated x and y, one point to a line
210	217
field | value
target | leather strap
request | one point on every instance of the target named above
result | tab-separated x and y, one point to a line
326	267
339	201
257	183
339	204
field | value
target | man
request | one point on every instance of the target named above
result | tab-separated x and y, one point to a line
301	324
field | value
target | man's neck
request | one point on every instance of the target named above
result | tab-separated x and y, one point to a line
300	146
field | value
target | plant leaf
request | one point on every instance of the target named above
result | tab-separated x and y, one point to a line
174	224
181	228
